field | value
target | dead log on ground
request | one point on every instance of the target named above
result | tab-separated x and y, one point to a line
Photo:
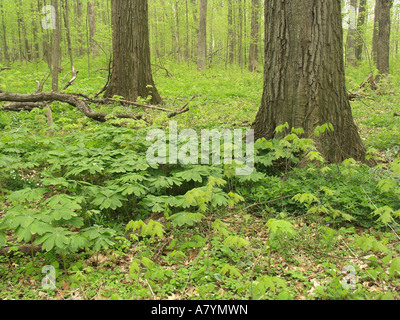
70	99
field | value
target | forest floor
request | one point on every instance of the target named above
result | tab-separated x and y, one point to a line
304	234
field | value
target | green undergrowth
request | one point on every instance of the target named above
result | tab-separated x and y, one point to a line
114	226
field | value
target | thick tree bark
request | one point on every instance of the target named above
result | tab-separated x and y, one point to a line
131	76
304	79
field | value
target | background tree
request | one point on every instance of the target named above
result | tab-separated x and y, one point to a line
56	49
361	21
202	42
352	34
304	80
4	36
131	75
255	35
381	36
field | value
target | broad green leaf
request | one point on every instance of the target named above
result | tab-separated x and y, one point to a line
395	267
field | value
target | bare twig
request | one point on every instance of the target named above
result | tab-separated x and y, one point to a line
185	108
71	81
266	202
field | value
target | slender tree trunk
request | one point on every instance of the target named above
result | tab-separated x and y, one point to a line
131	77
362	14
255	35
56	49
68	34
381	39
176	32
187	49
19	18
5	45
202	41
304	79
352	34
78	21
91	12
211	46
240	35
35	31
195	37
231	42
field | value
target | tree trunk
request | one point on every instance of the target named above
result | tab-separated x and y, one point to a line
362	14
240	35
176	33
381	41
304	79
68	34
231	40
352	34
187	49
131	76
78	21
255	35
6	56
56	49
91	12
202	41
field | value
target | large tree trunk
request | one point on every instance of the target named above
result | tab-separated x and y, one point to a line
202	41
304	79
381	39
131	75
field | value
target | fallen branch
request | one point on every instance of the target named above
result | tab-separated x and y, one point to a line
5	68
26	249
137	104
370	79
23	106
71	81
108	80
396	114
168	74
184	109
266	202
70	99
108	101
